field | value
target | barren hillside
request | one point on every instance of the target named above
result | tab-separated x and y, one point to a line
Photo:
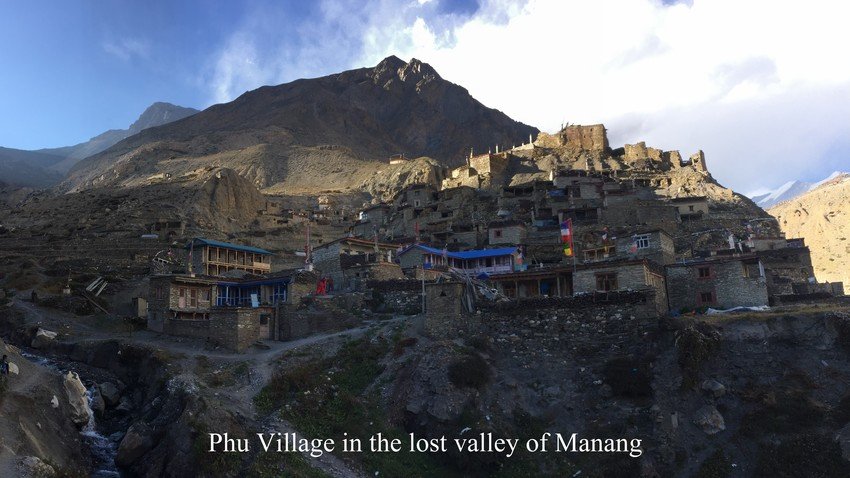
313	131
822	217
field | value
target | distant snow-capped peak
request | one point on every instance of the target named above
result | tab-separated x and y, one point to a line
790	190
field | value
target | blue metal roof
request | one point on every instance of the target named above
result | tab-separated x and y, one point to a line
254	282
474	254
226	245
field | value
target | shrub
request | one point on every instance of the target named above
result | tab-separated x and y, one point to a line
469	371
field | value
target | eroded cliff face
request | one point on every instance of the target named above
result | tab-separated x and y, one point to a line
822	218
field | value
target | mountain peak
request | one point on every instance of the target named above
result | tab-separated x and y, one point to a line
158	114
393	68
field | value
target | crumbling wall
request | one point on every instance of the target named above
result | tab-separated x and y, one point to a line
698	162
591	138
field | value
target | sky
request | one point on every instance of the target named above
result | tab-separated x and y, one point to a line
762	86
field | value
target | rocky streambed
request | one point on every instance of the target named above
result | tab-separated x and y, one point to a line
123	412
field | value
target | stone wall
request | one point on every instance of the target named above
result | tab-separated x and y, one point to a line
186	328
445	316
235	328
327	263
589	332
323	314
698	162
510	234
660	250
727	283
641	213
639	151
630	277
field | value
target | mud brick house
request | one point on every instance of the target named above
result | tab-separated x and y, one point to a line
215	258
720	283
472	263
622	275
338	259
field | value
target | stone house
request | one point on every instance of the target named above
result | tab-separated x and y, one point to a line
328	258
720	283
506	233
691	207
416	195
179	297
214	258
543	282
622	275
653	244
472	263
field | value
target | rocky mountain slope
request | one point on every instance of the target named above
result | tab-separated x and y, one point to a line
822	217
325	131
28	168
46	167
157	114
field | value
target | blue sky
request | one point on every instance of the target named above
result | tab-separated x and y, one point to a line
758	85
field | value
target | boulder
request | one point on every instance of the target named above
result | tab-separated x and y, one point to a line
97	404
843	439
43	339
125	405
110	393
710	420
714	388
33	467
77	399
136	442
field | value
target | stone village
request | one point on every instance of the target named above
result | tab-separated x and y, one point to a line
563	221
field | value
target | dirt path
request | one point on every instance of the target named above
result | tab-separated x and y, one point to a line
261	362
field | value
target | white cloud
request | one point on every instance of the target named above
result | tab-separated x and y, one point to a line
760	85
127	48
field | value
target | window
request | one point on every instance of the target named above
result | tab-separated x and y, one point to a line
159	292
193	298
704	272
706	298
642	241
577	191
606	282
497	233
691	208
264	319
416	203
182	292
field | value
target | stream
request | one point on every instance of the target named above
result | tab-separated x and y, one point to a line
103	450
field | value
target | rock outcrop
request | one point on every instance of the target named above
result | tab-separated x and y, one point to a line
75	391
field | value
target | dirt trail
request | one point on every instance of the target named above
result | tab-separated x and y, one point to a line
261	362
